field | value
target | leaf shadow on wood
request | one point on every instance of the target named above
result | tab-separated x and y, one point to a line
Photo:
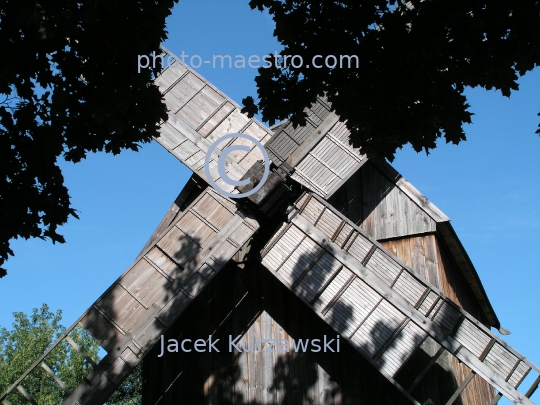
249	302
241	300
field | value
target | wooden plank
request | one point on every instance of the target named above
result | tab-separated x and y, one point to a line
519	374
447	316
317	280
58	381
185	89
425	370
378	328
120	307
26	395
409	288
359	301
411	191
169	77
144	283
401	348
472	338
162	261
80	351
101	328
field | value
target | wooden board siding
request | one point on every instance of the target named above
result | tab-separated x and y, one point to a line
379	207
386	206
427	258
199	114
420	253
369	270
130	316
251	302
453	285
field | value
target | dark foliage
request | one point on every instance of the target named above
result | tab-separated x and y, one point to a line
414	61
68	86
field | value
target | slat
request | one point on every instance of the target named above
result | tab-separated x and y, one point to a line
26	395
55	378
80	351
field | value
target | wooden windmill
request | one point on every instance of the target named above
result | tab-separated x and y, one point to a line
332	244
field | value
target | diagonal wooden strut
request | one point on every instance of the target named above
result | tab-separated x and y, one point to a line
428	366
528	394
460	389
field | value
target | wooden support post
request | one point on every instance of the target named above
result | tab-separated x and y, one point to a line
81	351
426	369
456	394
55	378
26	395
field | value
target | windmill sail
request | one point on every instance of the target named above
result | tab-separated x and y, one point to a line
129	317
318	154
378	303
199	115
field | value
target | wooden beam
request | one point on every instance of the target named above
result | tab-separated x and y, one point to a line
528	394
533	388
496	399
80	351
465	382
60	383
26	395
423	373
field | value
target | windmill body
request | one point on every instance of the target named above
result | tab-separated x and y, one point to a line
331	246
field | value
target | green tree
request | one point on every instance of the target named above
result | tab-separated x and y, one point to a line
415	59
69	85
30	337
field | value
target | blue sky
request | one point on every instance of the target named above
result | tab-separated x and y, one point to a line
488	186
